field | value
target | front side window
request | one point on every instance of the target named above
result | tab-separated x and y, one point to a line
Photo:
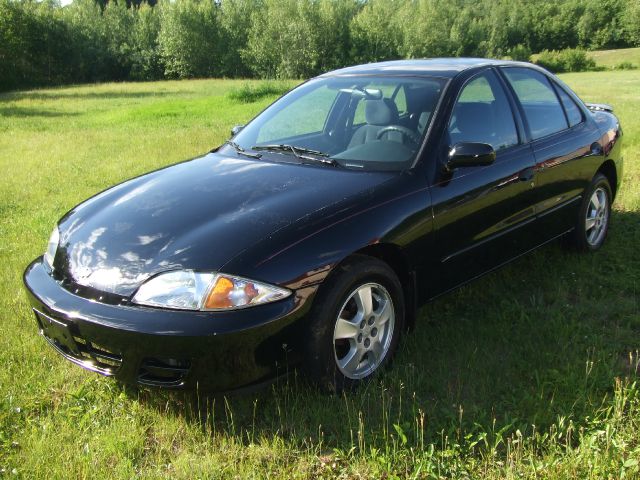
362	122
541	107
482	114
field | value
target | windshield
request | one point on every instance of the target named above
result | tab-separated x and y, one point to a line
362	122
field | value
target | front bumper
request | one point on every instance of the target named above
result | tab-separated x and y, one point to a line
211	351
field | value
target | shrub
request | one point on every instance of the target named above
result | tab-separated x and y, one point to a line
248	92
520	52
625	66
569	60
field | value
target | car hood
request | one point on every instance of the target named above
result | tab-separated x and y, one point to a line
194	215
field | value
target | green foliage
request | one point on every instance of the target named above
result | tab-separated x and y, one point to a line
520	53
625	66
189	39
252	92
146	59
569	60
282	39
35	44
375	33
600	25
42	43
235	24
631	23
334	41
425	27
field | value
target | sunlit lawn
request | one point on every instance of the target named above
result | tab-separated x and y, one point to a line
528	373
612	58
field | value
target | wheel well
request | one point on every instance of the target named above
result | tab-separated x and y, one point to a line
608	169
393	256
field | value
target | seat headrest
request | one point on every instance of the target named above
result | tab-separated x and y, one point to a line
381	112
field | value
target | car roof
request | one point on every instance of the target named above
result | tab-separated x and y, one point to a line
440	67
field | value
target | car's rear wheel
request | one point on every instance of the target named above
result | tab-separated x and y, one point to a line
355	324
595	213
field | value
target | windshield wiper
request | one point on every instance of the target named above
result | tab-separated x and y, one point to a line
241	150
320	157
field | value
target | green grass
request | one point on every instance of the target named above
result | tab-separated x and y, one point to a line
529	373
613	58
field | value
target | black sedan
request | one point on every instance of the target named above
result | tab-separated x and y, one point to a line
313	235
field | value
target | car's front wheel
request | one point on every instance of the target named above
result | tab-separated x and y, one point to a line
355	324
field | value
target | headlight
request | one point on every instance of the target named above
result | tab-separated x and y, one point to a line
50	254
189	290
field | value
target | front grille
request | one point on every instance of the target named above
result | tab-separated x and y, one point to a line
163	372
100	355
71	345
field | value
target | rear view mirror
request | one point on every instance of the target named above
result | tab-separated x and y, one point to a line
236	130
470	154
368	93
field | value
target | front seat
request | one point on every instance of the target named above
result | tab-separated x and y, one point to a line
425	104
378	114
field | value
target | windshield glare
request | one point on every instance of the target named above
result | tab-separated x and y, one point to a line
366	122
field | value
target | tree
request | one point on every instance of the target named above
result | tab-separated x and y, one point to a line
631	22
283	41
235	24
146	63
375	32
189	39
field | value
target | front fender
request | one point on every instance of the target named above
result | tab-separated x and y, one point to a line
304	253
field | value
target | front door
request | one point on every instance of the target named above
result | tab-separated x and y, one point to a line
483	215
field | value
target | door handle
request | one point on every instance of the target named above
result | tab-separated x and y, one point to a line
527	174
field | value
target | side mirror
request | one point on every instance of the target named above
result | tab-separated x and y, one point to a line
236	130
469	154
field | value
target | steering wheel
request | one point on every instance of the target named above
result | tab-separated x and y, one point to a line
406	132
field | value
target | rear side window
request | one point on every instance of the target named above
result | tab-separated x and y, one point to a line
539	101
574	115
482	114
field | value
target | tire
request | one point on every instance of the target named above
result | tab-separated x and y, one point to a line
592	224
343	327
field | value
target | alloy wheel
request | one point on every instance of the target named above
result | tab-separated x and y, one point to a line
597	217
363	331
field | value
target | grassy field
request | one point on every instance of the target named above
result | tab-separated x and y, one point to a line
531	373
613	58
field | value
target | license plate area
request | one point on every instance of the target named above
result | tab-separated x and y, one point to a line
58	334
73	347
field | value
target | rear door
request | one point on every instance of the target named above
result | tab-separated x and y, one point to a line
560	137
483	214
